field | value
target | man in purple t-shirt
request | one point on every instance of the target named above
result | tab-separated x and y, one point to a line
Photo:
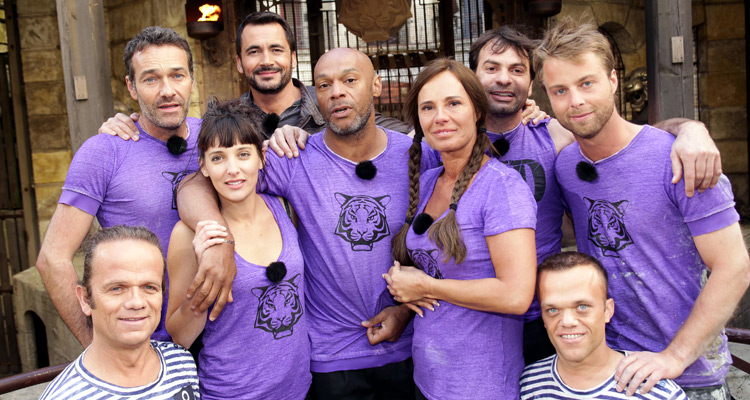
122	183
655	242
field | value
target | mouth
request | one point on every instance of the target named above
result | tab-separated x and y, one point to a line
443	132
236	183
340	111
169	106
580	117
266	72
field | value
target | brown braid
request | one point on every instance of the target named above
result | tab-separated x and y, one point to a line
445	232
398	243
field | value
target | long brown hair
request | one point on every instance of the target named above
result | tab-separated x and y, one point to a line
445	233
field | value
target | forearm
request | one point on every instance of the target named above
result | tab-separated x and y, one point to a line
197	201
679	126
60	280
490	294
184	325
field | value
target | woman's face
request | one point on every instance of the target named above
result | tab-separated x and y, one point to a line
447	115
232	170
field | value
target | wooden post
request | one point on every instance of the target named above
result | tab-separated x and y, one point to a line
83	45
669	38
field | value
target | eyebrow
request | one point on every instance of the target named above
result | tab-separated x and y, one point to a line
153	70
271	46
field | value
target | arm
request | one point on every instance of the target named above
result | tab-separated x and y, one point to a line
183	324
288	140
724	253
196	201
695	152
388	324
560	136
532	113
122	126
66	232
509	292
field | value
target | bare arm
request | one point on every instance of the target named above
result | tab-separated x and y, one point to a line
694	152
724	253
122	126
196	201
183	324
66	232
560	136
509	292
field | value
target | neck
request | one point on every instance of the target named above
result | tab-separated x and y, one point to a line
504	123
361	146
163	133
614	136
277	103
592	371
244	211
127	367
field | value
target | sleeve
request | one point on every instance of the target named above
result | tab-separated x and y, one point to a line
276	176
509	204
704	212
392	123
430	157
89	174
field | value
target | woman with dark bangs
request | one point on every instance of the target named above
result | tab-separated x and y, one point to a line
258	347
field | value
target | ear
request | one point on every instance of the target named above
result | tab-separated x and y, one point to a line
531	87
239	65
377	86
609	309
613	80
83	300
204	171
294	59
131	88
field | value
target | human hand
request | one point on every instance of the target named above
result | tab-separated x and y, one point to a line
121	125
423	303
695	158
647	368
532	113
207	234
286	140
213	281
387	325
406	284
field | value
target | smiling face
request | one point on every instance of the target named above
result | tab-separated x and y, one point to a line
266	59
232	170
447	115
125	299
506	76
575	311
345	84
581	92
162	85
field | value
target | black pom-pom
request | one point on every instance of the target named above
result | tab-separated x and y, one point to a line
270	123
176	145
276	271
366	170
586	172
502	145
421	223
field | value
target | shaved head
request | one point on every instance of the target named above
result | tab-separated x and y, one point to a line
337	57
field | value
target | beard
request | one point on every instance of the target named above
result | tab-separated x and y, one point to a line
590	128
357	124
152	113
511	108
269	87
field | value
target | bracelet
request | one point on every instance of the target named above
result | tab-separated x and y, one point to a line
229	241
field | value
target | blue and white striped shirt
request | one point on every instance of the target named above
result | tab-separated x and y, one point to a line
178	379
541	381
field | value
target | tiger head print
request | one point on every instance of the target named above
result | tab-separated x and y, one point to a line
362	220
606	227
426	261
279	307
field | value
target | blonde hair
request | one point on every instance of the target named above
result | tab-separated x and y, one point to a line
568	40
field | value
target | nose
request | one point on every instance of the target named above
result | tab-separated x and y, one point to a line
502	77
135	299
440	115
576	100
166	88
232	168
568	318
265	58
336	90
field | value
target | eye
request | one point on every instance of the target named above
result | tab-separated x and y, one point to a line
350	80
582	307
178	75
560	92
587	84
518	71
426	108
151	288
150	79
115	289
322	85
245	154
454	103
216	158
552	311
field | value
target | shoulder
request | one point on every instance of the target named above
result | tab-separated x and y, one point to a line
539	371
173	353
68	377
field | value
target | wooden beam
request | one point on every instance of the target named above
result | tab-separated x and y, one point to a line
670	82
83	45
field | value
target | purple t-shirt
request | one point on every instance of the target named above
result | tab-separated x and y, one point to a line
258	347
461	353
131	183
641	227
346	226
532	153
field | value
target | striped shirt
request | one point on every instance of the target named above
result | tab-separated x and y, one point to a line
541	381
177	379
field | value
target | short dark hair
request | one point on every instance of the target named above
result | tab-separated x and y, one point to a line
113	234
569	260
154	36
501	39
265	18
229	123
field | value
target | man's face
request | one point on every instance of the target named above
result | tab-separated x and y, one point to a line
506	77
162	85
345	85
575	311
266	59
126	293
581	93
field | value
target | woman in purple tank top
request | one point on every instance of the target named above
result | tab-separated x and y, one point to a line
258	347
467	245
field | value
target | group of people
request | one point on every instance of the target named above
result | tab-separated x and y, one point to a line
297	274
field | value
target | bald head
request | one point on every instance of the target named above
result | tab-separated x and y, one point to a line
333	59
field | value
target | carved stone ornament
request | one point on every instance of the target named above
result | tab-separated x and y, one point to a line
374	20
